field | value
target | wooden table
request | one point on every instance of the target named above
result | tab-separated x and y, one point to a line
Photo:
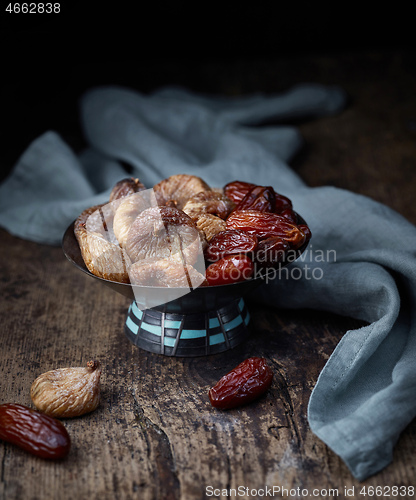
155	434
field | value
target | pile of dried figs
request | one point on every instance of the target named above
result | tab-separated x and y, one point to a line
154	237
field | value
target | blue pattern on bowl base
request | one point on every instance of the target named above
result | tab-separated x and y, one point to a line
186	335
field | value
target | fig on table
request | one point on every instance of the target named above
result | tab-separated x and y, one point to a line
68	392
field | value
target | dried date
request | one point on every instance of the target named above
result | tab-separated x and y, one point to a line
306	231
290	215
245	383
229	269
33	431
281	203
228	243
271	251
266	225
236	190
260	198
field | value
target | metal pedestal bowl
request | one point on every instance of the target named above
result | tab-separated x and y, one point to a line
203	321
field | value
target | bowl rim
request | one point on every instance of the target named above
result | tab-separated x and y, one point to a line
69	240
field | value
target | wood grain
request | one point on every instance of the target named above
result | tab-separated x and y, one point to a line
155	435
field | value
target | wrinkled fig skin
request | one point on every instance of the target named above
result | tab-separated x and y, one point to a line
126	187
209	202
33	431
210	225
166	273
68	392
105	259
176	190
102	257
80	223
127	211
163	232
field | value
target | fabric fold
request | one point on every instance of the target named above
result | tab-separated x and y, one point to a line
361	261
363	395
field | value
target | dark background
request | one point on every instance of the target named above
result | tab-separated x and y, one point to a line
48	61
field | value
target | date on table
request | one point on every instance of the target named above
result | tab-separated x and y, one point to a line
33	8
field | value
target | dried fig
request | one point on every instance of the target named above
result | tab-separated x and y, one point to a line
126	187
166	273
95	223
101	254
208	202
177	189
210	225
127	211
68	392
101	221
163	232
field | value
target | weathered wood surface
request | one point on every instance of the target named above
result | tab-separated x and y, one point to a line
155	435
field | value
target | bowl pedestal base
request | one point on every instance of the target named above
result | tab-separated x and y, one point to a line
188	335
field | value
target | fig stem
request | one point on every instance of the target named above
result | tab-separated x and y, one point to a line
93	364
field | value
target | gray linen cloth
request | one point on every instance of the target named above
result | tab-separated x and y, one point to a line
361	261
